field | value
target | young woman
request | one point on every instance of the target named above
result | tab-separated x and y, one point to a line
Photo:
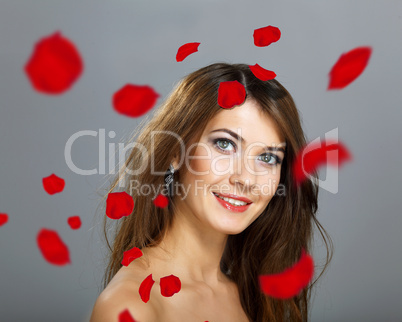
216	247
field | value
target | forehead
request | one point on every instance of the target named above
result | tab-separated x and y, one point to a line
249	121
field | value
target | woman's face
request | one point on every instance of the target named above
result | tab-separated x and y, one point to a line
224	164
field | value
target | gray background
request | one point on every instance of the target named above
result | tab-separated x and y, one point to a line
136	42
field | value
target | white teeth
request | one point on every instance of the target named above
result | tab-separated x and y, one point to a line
232	201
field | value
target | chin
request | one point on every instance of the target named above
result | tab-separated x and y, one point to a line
230	228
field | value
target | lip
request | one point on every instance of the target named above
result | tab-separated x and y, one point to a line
231	207
234	197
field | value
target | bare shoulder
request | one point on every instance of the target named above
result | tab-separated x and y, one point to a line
122	293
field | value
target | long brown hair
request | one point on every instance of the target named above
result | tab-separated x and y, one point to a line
274	241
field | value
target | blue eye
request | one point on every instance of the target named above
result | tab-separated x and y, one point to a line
273	158
222	147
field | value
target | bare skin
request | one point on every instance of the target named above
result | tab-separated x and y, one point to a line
196	301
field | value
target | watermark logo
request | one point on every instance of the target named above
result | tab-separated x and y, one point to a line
330	183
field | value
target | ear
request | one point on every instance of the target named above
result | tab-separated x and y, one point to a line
175	162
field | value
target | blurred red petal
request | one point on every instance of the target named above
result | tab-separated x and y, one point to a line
125	316
54	65
161	201
312	156
53	184
170	285
134	100
290	282
261	73
230	94
349	67
119	204
145	288
186	50
343	153
52	247
130	255
74	222
265	36
3	219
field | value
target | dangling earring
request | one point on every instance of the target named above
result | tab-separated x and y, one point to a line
169	180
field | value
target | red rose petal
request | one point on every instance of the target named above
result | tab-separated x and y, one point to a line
52	247
134	100
265	36
348	67
53	184
74	222
3	219
262	73
316	156
186	50
54	65
130	255
119	204
125	316
145	288
290	282
170	285
230	94
161	201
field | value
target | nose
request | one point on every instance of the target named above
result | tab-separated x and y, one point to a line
243	173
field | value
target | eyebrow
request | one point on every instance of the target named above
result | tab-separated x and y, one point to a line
239	138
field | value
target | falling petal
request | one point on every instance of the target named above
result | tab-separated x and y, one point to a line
230	94
265	36
261	73
119	204
134	100
170	285
290	282
130	255
53	184
312	156
145	288
3	219
54	65
74	222
161	201
348	67
186	50
125	316
52	247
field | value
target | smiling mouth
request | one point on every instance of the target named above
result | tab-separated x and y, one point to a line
242	205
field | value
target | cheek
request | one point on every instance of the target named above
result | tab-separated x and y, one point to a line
200	162
209	163
268	184
200	166
275	176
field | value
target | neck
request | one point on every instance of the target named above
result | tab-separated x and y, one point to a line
190	251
